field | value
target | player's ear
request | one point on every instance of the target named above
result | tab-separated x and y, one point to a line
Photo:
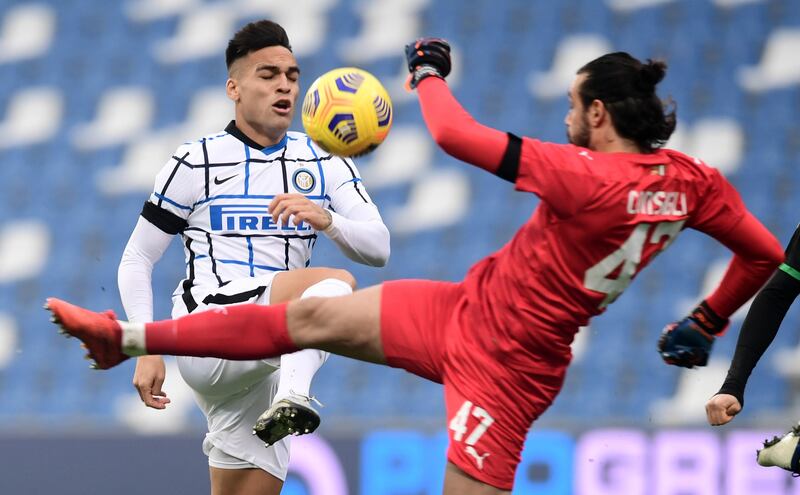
232	89
596	113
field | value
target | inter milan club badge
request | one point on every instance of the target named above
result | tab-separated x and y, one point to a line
303	180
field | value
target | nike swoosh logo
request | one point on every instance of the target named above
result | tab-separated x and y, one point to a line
218	182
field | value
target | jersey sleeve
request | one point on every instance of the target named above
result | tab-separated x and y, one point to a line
174	194
559	174
134	276
345	188
720	212
721	207
356	225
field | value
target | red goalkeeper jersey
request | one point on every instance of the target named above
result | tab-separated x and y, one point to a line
603	217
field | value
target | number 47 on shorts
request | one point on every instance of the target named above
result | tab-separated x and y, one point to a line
459	426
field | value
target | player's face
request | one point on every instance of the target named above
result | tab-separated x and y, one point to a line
577	120
265	85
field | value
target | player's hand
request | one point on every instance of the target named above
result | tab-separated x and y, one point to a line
687	343
148	379
299	208
721	408
427	57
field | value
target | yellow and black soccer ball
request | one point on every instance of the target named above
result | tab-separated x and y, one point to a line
347	112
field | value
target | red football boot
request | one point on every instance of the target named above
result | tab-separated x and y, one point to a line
100	332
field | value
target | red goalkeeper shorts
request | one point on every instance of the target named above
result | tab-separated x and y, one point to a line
430	329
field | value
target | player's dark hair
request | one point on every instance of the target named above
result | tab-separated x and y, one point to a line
254	37
627	88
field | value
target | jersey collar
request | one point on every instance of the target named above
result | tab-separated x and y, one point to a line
657	157
238	134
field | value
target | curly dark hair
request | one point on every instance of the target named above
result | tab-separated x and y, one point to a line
254	37
627	88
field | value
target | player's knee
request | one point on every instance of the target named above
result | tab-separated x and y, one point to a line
321	274
344	276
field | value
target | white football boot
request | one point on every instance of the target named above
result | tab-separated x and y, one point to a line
782	452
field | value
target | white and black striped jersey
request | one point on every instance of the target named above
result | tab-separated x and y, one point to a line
215	192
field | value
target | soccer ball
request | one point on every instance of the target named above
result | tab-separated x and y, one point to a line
347	112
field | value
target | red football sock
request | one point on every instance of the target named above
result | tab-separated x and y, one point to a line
242	332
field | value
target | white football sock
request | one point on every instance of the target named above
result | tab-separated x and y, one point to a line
133	343
299	368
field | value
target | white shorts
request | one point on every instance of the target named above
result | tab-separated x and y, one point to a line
233	394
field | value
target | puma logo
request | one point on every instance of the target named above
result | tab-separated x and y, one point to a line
217	181
478	458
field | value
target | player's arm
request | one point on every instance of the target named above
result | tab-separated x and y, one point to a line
758	331
356	225
162	217
453	129
561	175
134	277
